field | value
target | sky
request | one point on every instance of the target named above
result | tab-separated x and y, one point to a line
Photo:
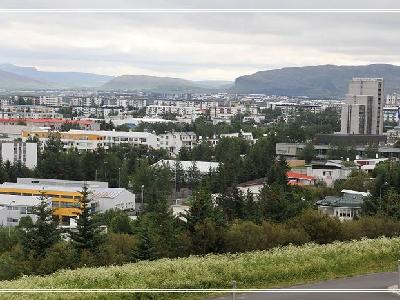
196	46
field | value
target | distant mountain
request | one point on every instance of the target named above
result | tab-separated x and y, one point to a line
11	81
161	84
59	79
214	84
315	81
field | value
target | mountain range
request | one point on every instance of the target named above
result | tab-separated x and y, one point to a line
21	78
315	81
323	81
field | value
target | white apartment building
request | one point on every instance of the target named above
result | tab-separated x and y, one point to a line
85	101
362	111
135	103
26	153
200	104
393	99
158	110
174	141
50	101
29	111
87	140
391	113
227	112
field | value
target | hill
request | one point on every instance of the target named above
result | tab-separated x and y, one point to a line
162	84
11	81
58	79
278	267
314	81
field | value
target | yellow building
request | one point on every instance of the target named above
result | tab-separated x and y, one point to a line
65	203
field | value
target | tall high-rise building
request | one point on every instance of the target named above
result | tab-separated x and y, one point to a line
362	111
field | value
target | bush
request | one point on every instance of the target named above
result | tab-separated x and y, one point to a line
117	249
370	227
246	236
275	268
320	227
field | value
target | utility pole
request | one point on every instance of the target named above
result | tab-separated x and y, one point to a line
8	218
142	196
119	177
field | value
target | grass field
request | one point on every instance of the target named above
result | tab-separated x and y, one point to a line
276	268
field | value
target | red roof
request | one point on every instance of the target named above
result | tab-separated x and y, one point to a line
294	175
46	120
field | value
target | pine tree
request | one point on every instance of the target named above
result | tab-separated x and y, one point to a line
40	236
194	176
87	236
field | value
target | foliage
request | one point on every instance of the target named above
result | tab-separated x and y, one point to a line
86	236
307	153
282	266
40	236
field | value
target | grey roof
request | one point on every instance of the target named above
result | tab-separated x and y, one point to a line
346	200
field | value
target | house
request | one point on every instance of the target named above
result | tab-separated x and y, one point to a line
345	207
329	171
295	178
368	165
252	186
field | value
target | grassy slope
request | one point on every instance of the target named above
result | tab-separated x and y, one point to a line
275	268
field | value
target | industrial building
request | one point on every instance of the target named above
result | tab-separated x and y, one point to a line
64	196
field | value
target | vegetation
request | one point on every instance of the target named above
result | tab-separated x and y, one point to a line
275	268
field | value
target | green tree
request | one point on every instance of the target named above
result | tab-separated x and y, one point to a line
193	176
87	236
121	223
307	153
39	237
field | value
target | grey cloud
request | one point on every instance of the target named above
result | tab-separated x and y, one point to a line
197	44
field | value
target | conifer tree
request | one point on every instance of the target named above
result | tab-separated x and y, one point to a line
40	236
87	235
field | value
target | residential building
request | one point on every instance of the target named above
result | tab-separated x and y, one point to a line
174	141
393	135
52	123
328	171
345	207
50	101
393	99
247	136
368	165
292	150
299	179
25	153
391	113
204	167
159	110
362	111
29	111
91	140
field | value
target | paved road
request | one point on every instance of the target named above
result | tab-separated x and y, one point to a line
372	281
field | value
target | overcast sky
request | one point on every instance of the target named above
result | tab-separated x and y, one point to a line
196	46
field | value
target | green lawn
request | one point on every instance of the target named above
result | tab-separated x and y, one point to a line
276	268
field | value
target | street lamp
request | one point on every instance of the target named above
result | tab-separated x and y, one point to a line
119	177
8	218
105	170
380	193
142	195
